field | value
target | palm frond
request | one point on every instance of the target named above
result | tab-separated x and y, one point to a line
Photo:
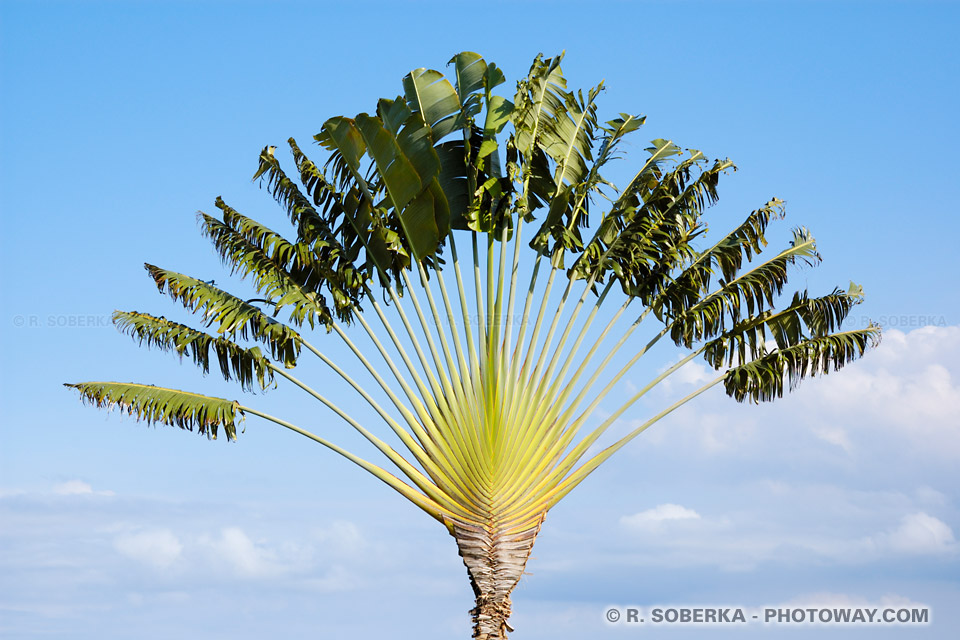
471	70
357	222
614	230
802	319
646	180
769	376
408	166
435	101
454	180
726	258
614	132
498	113
283	273
748	293
573	136
236	363
232	316
150	404
340	137
570	147
643	245
540	100
310	224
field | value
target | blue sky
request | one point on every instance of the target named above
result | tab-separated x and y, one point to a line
121	119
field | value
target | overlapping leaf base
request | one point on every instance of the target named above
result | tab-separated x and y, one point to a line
495	561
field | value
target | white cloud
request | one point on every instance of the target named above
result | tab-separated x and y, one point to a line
241	554
920	345
653	519
337	579
158	548
692	373
833	435
78	488
701	429
73	488
341	536
311	559
929	495
902	398
918	533
777	523
905	390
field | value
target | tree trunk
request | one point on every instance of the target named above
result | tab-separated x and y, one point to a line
495	560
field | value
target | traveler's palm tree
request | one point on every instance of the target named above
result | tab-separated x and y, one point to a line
413	228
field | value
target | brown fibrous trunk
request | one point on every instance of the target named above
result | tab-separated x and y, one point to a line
495	561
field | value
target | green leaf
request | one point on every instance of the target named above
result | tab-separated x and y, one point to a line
748	293
340	135
726	257
393	113
539	100
747	339
429	215
236	363
429	94
285	274
189	411
359	226
499	110
645	240
470	69
768	377
453	180
232	316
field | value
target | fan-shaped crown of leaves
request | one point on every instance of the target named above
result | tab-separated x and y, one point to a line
486	410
